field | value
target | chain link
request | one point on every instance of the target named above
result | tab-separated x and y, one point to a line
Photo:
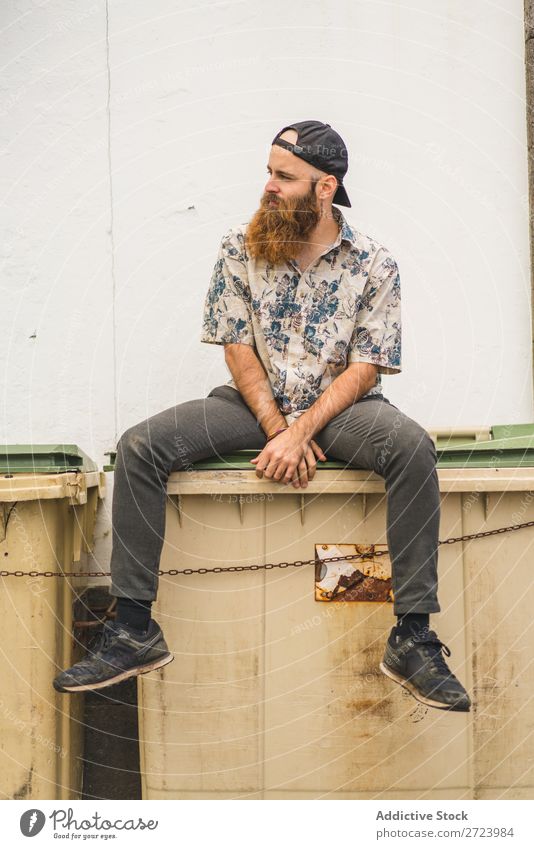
255	566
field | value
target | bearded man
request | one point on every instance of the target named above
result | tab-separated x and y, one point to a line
308	311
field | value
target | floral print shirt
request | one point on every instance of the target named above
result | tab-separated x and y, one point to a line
307	326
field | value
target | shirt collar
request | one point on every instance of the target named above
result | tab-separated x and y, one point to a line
346	233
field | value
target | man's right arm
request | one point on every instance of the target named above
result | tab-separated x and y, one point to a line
227	321
253	383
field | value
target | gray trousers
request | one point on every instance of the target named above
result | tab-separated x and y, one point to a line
371	434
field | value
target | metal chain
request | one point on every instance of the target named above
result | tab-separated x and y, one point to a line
255	566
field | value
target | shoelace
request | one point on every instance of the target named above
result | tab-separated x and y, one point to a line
105	640
438	660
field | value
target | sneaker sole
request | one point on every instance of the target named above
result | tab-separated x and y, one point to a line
416	694
129	673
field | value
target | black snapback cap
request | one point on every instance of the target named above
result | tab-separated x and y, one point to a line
322	147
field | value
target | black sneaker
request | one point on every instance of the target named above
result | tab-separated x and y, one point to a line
122	653
416	662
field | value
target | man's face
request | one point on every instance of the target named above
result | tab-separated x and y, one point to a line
289	209
288	176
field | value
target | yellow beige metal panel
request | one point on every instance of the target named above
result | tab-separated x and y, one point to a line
333	722
500	601
350	481
415	795
31	749
70	737
202	714
40	730
310	715
514	793
198	794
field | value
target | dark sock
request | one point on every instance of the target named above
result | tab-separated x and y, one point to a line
410	623
133	612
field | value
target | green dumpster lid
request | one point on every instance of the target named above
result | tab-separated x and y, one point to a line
511	446
241	460
235	460
45	459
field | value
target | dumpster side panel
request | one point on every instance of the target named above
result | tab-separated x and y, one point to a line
41	739
34	754
333	722
202	714
500	602
275	695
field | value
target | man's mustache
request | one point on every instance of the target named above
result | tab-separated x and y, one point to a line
287	206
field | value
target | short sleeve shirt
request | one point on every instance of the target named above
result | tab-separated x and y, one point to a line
306	326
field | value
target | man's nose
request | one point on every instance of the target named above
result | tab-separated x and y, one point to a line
271	186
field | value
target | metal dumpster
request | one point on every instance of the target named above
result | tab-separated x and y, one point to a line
48	502
275	694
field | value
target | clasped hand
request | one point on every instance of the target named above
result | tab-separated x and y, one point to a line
289	458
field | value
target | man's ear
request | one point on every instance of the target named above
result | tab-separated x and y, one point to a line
329	183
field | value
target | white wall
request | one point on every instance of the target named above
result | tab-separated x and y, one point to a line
135	133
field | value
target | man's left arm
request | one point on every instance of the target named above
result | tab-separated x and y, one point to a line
346	389
375	346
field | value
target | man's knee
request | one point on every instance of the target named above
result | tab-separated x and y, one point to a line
134	440
417	447
408	444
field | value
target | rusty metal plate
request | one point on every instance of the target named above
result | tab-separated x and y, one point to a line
368	579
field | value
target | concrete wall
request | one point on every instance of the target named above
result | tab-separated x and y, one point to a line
135	134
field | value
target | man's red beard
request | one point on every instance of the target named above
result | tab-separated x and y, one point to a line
278	232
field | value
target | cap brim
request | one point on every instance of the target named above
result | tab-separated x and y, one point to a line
341	197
